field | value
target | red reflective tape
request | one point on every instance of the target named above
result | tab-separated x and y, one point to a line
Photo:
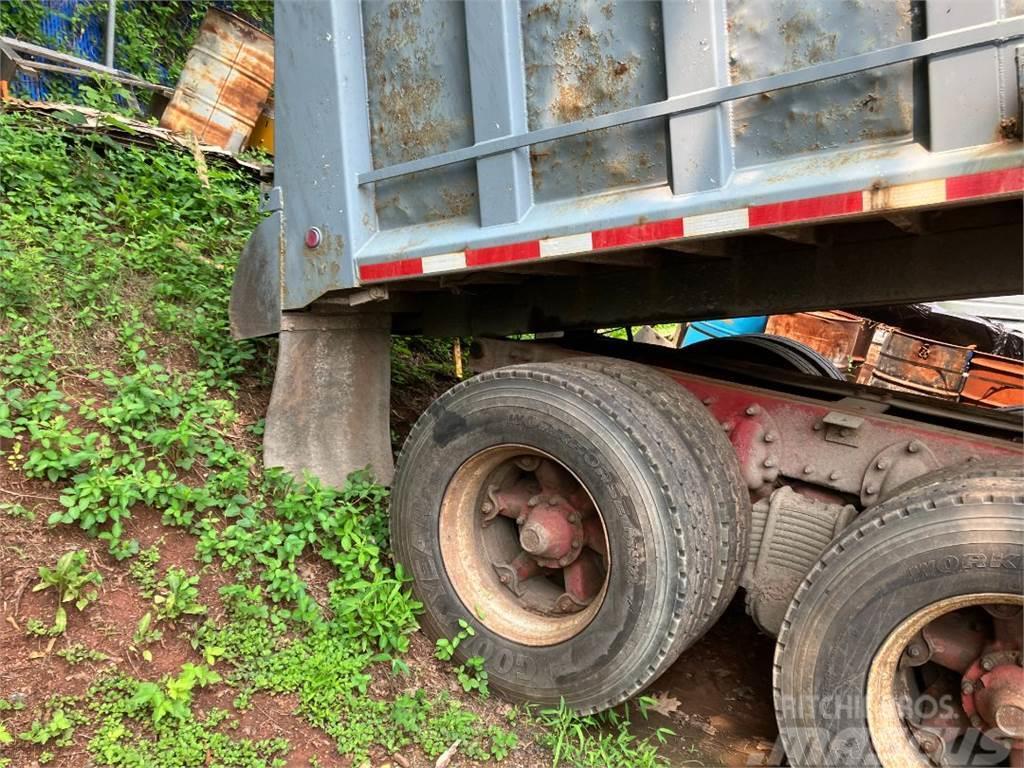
389	270
983	184
638	233
499	254
808	208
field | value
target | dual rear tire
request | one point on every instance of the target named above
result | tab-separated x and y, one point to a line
647	486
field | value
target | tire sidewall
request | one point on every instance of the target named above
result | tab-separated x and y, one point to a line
886	579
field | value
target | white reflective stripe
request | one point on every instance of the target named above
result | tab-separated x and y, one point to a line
905	195
710	223
565	246
443	262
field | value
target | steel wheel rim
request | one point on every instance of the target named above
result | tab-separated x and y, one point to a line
901	734
482	532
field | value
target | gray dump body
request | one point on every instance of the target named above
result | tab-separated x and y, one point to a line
420	139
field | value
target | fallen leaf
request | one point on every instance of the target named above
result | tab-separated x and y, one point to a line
664	704
446	757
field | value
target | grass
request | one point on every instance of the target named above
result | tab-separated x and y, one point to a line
121	394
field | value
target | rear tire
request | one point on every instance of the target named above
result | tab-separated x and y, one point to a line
700	435
947	543
654	501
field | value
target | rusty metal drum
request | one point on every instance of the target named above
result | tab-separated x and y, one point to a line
224	84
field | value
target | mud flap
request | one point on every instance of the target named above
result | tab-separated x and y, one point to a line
255	308
330	410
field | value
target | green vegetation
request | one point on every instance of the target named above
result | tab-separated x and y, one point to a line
153	38
72	585
121	391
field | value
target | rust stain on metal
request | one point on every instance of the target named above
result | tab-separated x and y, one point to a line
839	336
907	363
994	381
224	84
407	123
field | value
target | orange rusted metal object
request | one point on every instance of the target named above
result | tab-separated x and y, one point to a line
994	381
224	84
841	337
900	361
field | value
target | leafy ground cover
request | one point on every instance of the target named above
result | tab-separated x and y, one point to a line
165	600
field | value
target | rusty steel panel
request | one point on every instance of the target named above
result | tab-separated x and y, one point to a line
840	337
994	381
768	37
417	83
586	58
224	84
907	363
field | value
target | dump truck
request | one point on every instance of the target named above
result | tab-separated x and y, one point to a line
524	173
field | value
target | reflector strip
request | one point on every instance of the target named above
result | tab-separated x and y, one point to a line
878	198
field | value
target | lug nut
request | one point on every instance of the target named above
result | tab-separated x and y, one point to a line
967	688
914	651
987	664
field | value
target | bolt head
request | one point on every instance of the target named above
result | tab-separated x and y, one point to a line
833	475
809	469
976	721
914	651
913	446
486	507
313	237
883	464
727	426
573	518
708	400
753	410
817	426
967	688
769	437
769	462
503	578
576	544
987	664
871	490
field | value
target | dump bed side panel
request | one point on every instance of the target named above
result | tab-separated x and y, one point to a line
430	136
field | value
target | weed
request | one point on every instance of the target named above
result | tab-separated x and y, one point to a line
17	512
598	741
77	653
176	595
72	584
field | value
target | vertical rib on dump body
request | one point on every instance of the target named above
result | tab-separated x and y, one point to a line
441	137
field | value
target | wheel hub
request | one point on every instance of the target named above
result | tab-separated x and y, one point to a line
558	529
965	663
534	532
